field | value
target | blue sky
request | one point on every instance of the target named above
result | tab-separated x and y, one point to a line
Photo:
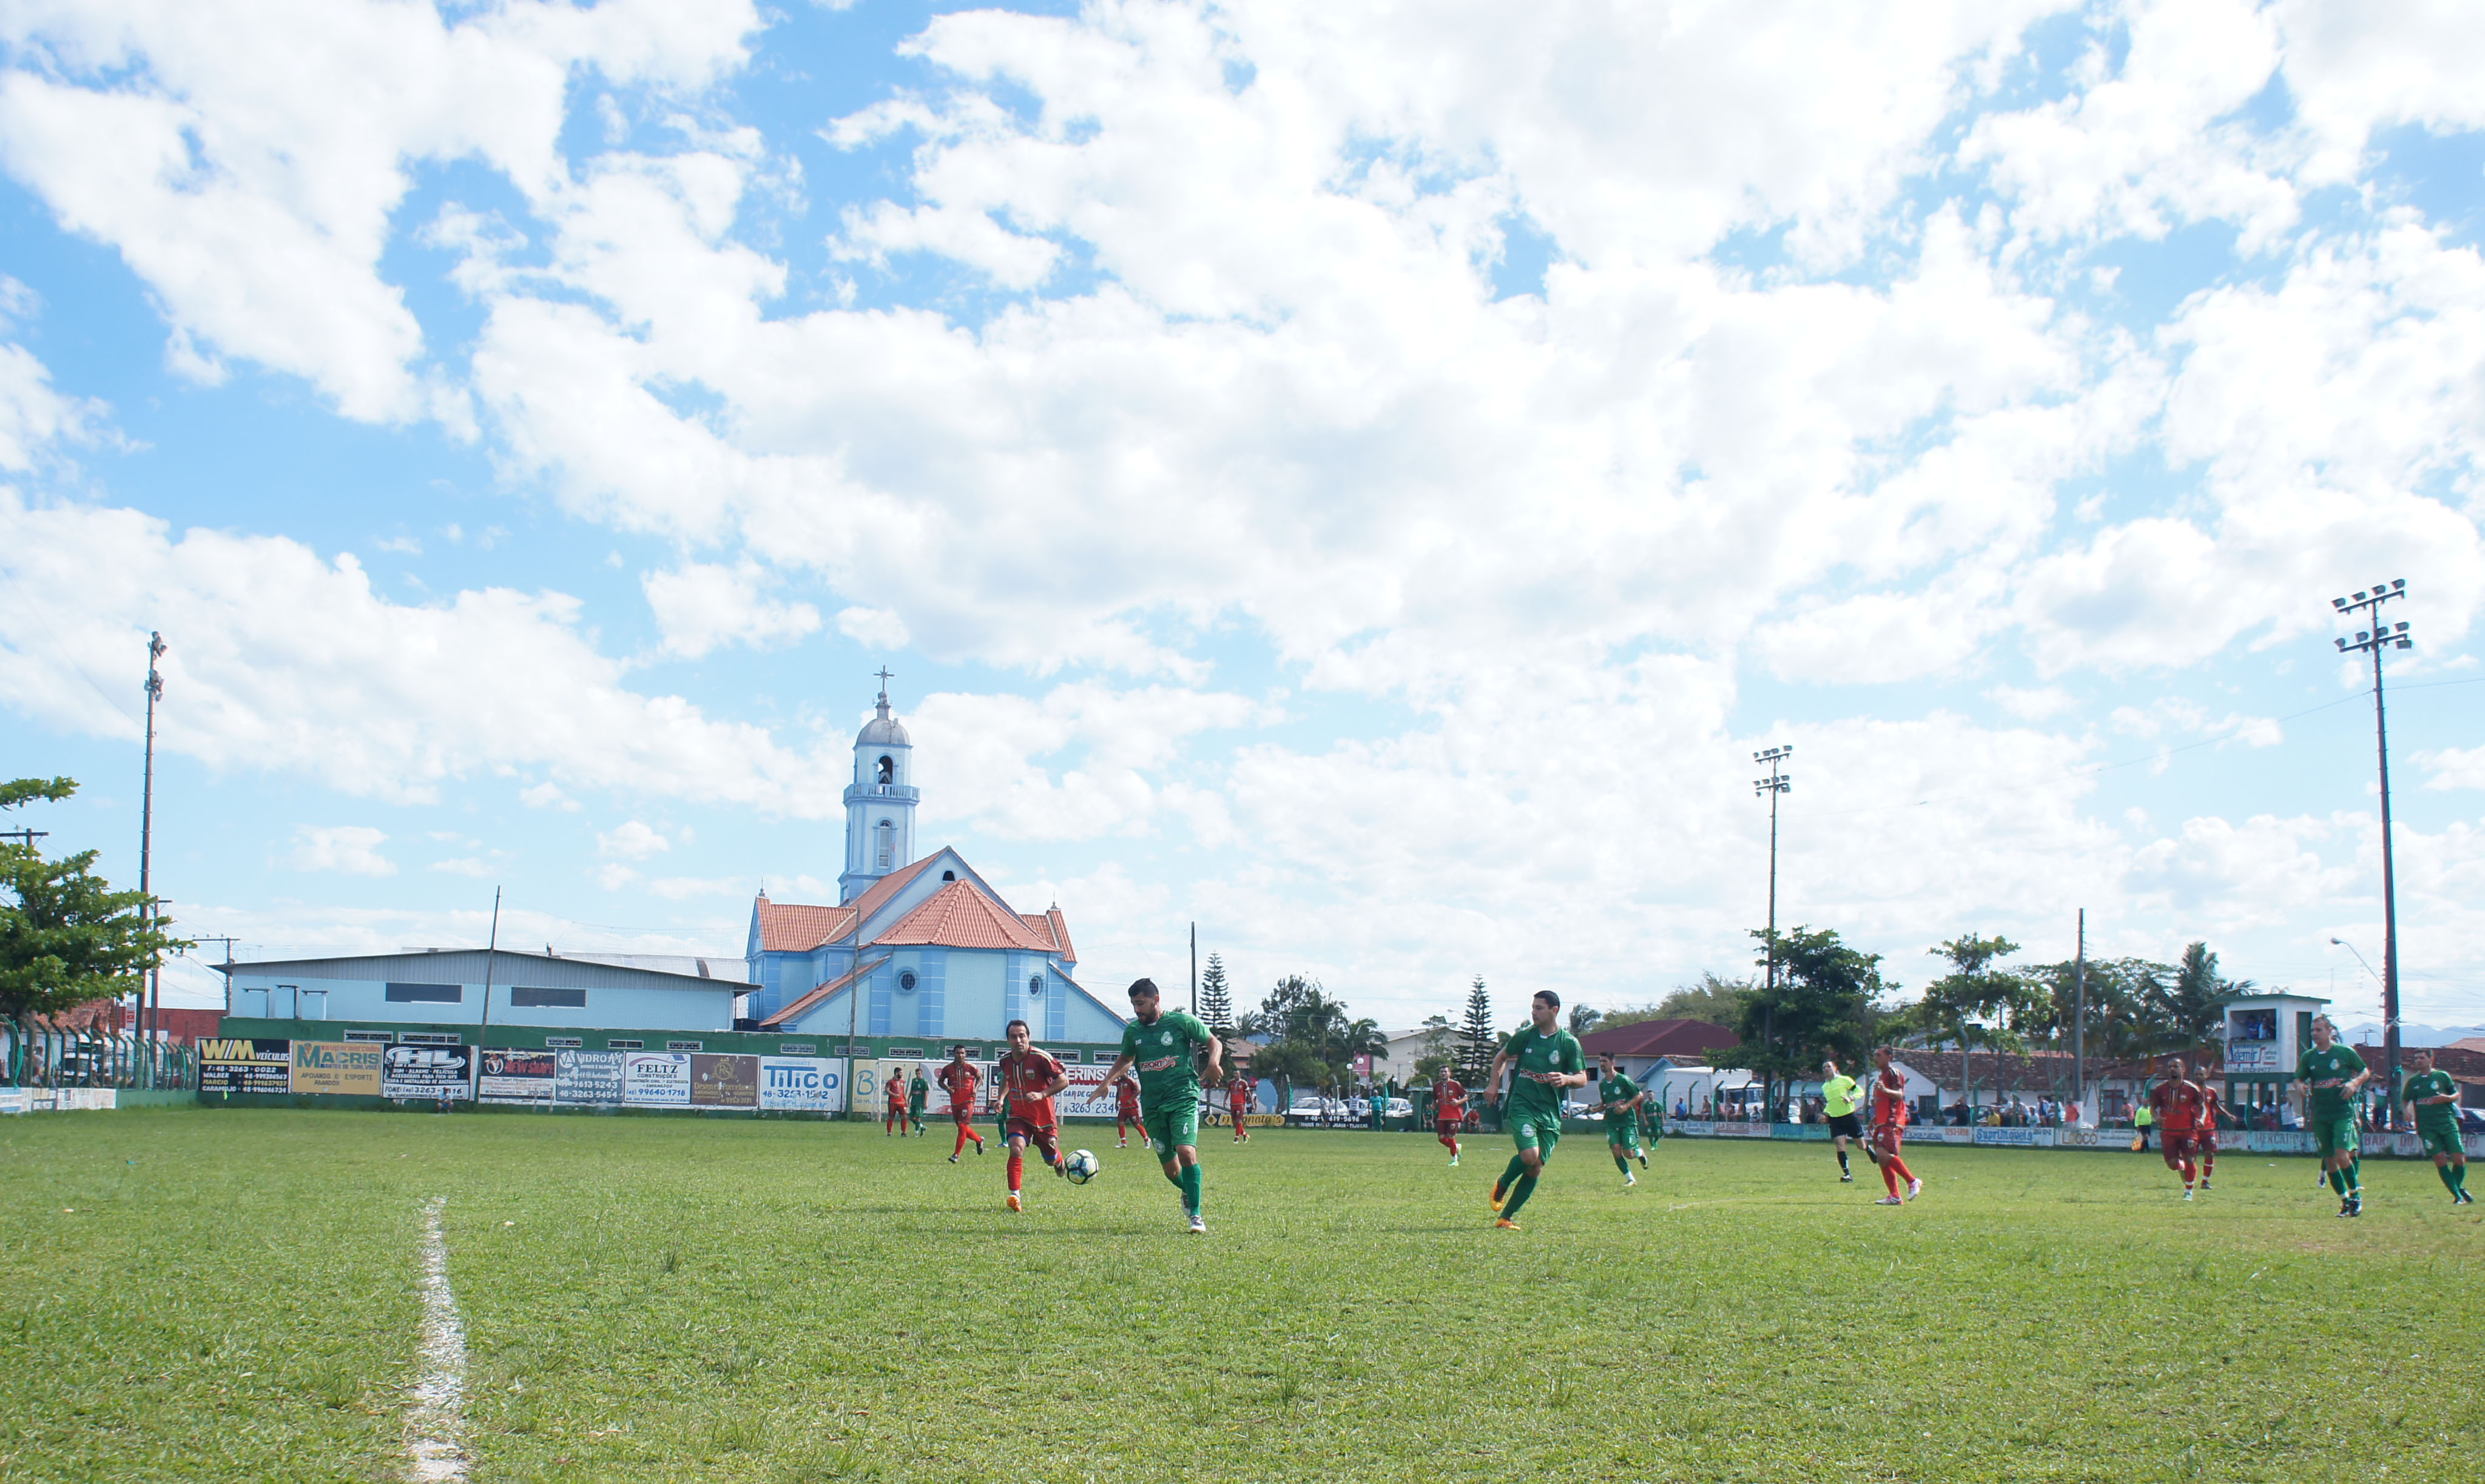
1363	484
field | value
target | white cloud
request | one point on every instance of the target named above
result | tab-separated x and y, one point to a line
613	877
476	867
700	606
347	849
635	841
2033	703
281	661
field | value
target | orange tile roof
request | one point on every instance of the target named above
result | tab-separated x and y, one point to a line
960	916
792	927
804	1003
1061	933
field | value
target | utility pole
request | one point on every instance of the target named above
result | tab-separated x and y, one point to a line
2079	1018
491	951
1194	967
154	988
2373	641
1779	781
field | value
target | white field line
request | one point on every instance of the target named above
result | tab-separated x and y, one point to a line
437	1418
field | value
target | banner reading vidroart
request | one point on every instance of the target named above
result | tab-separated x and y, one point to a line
722	1080
590	1079
428	1073
520	1077
656	1079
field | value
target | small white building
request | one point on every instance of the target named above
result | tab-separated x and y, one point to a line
445	986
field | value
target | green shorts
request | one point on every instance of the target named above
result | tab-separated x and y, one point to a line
2333	1136
1537	1131
1623	1135
1176	1127
2441	1141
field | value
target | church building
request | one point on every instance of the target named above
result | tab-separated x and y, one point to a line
919	947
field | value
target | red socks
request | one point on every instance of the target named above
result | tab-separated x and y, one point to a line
1896	1174
965	1133
2208	1165
1890	1179
1015	1166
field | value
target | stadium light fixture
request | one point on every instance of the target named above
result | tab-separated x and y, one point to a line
2382	637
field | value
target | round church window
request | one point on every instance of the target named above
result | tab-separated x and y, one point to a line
906	983
1035	984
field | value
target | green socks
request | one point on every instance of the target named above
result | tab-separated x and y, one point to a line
1173	1177
1518	1195
2338	1182
2356	1174
1510	1176
1190	1183
2449	1178
1621	1163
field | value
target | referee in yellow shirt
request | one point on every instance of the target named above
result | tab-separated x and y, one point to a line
1838	1095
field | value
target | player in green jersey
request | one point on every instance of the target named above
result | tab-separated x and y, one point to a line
1838	1095
2433	1098
1544	1060
1620	1099
2332	1074
918	1092
1158	1045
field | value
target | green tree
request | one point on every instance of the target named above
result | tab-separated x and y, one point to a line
1826	1004
1216	997
66	936
1716	1001
2195	1004
1478	1040
1438	1052
1309	1036
2124	998
1979	1003
1584	1020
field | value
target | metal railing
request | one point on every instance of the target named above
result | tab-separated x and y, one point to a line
41	1056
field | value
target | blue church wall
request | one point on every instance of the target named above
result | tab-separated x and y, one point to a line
976	979
1084	1018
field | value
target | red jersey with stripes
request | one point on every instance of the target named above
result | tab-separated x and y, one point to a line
1023	1081
1449	1101
2178	1106
1889	1098
959	1081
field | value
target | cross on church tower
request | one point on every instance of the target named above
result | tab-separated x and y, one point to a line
884	677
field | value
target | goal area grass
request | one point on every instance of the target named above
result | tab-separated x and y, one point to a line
211	1294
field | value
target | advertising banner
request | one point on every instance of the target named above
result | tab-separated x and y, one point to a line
428	1073
721	1081
350	1068
1086	1097
2025	1139
245	1065
802	1084
2078	1138
656	1079
1732	1129
84	1099
15	1100
521	1077
589	1077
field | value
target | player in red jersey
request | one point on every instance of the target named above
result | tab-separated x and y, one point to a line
1890	1130
958	1078
2176	1103
1449	1110
1028	1078
1126	1113
895	1122
2211	1108
1238	1105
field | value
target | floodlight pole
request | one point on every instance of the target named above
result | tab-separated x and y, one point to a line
2373	641
147	844
2079	1018
1778	781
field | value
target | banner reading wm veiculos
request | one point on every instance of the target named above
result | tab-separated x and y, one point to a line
520	1077
802	1084
347	1069
428	1073
254	1064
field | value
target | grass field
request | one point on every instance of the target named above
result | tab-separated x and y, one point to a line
234	1294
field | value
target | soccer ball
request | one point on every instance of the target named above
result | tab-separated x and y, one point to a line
1081	1167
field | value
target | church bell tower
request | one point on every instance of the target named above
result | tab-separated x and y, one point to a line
880	802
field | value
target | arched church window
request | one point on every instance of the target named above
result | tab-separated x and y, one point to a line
948	875
888	843
888	769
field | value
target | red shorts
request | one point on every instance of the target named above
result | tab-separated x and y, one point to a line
1446	1125
1126	1115
1015	1127
963	1113
2207	1140
2179	1142
1889	1136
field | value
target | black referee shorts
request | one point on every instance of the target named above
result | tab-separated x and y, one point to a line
1845	1126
